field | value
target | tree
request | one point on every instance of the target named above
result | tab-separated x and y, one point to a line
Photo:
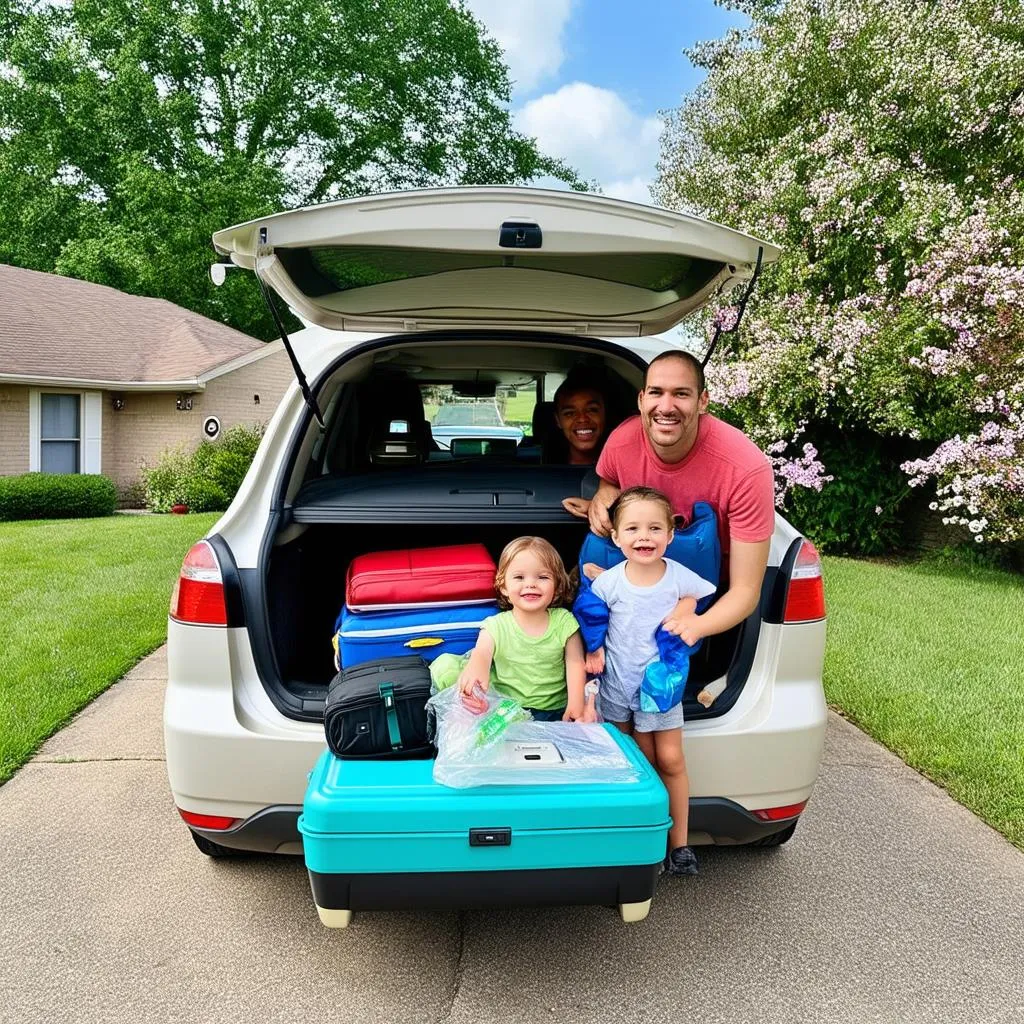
881	145
130	130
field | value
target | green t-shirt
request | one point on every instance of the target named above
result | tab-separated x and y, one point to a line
531	668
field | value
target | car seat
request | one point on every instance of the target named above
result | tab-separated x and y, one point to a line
390	413
532	445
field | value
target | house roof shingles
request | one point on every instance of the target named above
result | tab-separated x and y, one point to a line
60	327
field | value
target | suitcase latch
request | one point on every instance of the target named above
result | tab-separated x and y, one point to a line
490	837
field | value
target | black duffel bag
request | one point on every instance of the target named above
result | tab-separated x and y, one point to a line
378	709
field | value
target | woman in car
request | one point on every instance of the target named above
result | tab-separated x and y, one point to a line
581	422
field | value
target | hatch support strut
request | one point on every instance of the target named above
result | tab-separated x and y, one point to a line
739	312
268	298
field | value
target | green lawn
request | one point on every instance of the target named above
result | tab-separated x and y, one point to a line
81	601
928	658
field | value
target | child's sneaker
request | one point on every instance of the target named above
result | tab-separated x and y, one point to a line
681	861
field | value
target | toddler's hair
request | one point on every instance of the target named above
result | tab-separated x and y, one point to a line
547	554
635	494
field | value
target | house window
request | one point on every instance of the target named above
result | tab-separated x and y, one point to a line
60	433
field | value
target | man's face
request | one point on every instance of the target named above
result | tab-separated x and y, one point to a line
670	407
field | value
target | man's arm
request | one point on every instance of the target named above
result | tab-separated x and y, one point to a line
598	511
747	563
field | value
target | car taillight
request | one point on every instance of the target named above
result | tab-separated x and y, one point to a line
213	822
805	596
780	813
198	595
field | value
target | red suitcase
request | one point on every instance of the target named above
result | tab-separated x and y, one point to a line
457	574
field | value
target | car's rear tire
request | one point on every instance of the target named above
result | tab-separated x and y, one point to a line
210	848
778	838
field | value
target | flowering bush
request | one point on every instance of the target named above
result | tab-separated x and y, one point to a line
879	144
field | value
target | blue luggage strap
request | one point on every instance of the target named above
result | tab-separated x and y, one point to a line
387	696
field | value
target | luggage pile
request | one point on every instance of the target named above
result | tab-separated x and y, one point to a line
425	601
402	609
380	832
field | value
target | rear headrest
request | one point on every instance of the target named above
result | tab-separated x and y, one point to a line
395	441
543	419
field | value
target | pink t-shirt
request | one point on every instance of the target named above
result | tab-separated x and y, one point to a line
724	468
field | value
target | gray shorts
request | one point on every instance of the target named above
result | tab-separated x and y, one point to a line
643	721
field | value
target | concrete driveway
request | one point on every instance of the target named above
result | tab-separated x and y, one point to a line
891	904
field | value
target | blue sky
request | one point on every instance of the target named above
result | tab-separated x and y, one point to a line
592	75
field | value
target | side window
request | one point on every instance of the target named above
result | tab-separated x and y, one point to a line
60	433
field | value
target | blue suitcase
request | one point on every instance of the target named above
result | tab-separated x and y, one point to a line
364	824
428	632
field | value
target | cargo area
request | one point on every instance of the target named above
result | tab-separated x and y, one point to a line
306	588
376	479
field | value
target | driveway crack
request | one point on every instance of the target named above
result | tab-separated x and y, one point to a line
56	759
460	969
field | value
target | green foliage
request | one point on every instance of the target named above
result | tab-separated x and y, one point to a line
878	144
132	131
206	478
56	496
859	510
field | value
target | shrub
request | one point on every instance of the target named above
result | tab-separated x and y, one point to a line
205	479
859	512
885	161
56	496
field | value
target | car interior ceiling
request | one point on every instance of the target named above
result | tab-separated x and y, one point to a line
378	416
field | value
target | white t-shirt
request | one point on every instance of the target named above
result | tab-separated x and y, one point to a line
634	615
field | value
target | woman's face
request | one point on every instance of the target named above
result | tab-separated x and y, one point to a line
580	417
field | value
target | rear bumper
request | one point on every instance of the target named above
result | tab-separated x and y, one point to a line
712	820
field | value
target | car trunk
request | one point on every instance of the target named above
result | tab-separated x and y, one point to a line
305	584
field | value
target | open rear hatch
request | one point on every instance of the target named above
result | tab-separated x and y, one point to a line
492	257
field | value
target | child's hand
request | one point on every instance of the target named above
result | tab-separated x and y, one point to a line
595	662
706	697
592	570
589	712
472	691
573	712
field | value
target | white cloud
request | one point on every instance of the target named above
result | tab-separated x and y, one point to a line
530	33
598	134
636	189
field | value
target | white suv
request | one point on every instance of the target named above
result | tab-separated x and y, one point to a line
462	291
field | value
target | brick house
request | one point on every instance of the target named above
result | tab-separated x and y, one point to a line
96	381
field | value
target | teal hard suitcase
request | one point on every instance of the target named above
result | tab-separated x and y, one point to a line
383	835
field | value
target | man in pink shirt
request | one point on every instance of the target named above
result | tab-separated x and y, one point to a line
676	446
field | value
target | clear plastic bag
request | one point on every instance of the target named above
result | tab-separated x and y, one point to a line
503	746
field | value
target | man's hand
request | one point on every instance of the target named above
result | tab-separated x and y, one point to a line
592	570
685	625
598	512
595	662
683	617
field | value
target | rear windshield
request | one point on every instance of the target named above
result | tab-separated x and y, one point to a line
469	414
327	269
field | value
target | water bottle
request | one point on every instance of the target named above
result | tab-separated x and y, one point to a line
495	722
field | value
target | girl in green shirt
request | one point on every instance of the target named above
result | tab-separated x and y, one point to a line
535	649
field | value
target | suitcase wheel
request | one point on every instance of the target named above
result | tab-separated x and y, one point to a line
341	918
629	912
